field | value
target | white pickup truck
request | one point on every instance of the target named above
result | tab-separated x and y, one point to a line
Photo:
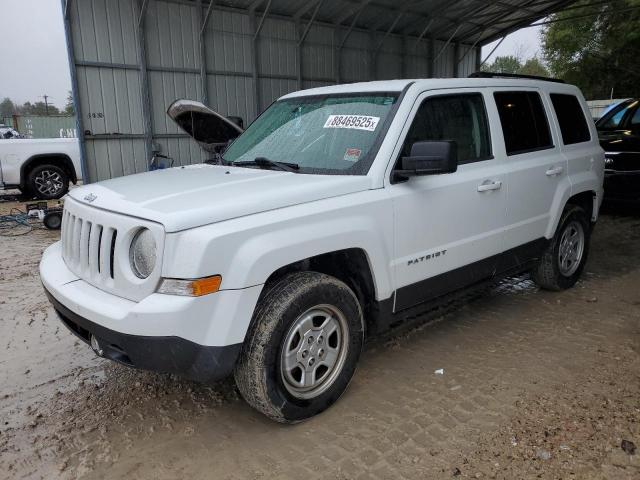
42	167
340	212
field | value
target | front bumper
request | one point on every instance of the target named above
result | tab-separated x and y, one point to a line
160	354
197	337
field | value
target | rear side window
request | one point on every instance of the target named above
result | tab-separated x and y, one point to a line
573	125
523	121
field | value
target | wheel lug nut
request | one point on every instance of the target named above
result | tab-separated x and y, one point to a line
321	353
305	354
312	361
320	340
310	340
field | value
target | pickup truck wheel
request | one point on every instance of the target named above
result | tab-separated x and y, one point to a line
302	347
48	182
562	263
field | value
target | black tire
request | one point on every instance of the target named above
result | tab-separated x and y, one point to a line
47	182
549	274
259	374
52	220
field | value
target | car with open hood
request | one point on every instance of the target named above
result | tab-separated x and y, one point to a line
339	213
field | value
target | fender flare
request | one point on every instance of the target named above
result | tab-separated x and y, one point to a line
59	159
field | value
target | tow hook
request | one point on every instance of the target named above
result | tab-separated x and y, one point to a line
96	346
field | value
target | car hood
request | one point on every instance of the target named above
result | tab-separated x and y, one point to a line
192	196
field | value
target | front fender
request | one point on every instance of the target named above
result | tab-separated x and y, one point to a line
247	250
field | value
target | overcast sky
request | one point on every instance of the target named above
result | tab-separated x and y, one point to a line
34	57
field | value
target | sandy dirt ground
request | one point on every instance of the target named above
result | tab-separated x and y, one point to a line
536	385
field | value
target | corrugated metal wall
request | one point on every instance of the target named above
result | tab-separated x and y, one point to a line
128	70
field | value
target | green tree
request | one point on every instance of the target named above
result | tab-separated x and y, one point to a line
534	66
7	108
513	64
39	108
69	108
596	47
503	64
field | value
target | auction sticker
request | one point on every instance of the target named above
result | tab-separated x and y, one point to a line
352	154
357	122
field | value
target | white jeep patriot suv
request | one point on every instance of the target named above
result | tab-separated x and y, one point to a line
341	211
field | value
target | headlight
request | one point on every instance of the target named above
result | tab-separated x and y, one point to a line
142	254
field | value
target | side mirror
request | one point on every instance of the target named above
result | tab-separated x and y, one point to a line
429	158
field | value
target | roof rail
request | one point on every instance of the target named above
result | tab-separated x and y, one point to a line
513	75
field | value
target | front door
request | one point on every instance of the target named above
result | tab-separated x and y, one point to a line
448	227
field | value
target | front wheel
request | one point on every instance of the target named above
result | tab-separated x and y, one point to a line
302	348
563	261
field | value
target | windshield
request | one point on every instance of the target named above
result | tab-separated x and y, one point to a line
613	118
326	134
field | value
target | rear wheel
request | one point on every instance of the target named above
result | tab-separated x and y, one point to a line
48	182
302	348
562	263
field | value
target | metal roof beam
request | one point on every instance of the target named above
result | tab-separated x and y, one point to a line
422	34
313	17
447	43
393	24
489	24
305	8
264	15
524	22
357	11
206	16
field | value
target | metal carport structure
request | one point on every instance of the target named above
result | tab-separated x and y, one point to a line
131	58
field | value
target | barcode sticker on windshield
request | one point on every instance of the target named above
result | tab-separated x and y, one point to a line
358	122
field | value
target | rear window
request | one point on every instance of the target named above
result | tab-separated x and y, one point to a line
573	125
523	121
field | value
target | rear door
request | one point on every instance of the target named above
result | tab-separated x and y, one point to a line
536	169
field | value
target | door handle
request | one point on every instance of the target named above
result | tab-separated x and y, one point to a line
489	185
554	171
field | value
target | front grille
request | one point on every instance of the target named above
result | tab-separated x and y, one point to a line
95	246
88	248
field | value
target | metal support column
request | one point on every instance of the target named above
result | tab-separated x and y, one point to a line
203	48
66	16
144	80
302	36
255	29
299	53
432	57
403	57
337	48
372	56
456	62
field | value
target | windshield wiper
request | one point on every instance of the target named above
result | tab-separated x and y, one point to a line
265	162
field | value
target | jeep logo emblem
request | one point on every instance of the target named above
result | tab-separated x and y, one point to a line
90	198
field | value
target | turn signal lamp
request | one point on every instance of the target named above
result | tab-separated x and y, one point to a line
190	288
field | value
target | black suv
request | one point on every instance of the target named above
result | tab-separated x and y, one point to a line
619	132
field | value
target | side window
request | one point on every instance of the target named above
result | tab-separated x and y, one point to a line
573	125
461	118
524	122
